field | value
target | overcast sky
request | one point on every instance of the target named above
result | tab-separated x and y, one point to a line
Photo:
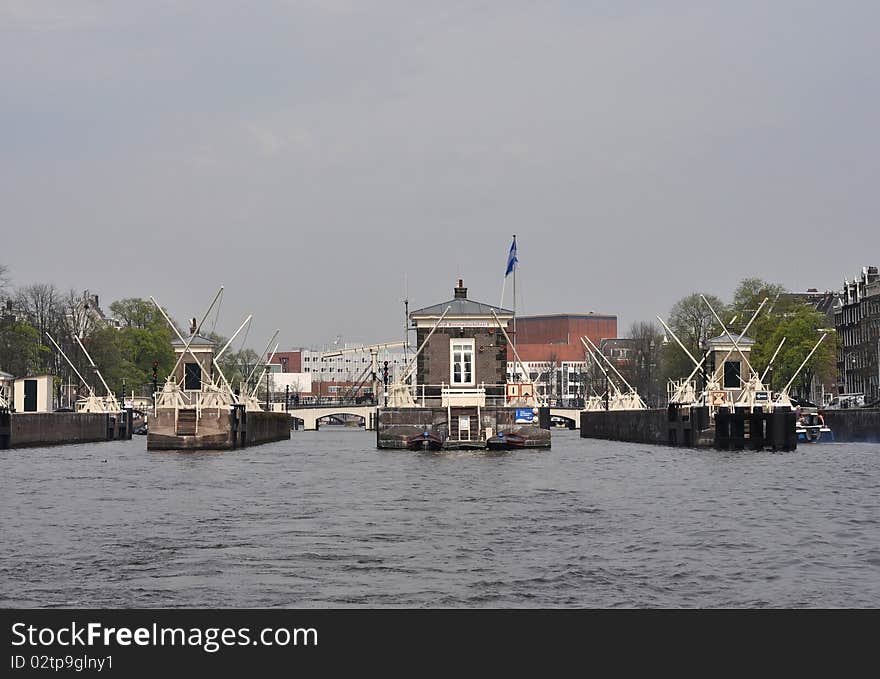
313	156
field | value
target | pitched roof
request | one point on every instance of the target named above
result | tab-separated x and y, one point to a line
198	341
460	307
741	340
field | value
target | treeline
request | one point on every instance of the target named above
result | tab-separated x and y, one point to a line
124	354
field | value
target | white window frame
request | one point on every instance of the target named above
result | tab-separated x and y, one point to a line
471	347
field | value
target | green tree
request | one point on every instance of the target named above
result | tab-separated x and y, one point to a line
751	292
800	328
141	347
21	352
135	312
746	299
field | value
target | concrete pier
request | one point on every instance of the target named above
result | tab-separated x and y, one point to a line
20	430
215	428
397	425
692	427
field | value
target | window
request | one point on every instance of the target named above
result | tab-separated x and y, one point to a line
462	365
192	377
732	372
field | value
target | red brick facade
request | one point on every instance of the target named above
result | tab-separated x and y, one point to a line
543	338
290	361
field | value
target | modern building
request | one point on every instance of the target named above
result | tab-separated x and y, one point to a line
857	321
309	375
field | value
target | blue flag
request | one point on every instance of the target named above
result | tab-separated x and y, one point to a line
511	258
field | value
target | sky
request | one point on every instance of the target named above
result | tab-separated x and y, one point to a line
324	159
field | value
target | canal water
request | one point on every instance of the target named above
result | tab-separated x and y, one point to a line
326	520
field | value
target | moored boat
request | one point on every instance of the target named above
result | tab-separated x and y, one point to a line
424	440
508	441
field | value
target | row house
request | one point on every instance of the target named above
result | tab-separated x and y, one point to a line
857	322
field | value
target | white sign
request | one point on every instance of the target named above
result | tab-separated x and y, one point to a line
468	324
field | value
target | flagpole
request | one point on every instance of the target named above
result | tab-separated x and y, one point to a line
515	267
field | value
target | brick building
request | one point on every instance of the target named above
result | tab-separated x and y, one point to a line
467	349
857	321
551	349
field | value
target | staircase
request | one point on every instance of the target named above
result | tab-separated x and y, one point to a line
186	422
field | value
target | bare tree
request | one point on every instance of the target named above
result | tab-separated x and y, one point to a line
550	375
692	320
42	306
645	343
4	280
79	314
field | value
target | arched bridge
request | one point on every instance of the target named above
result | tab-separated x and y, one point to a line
572	415
310	414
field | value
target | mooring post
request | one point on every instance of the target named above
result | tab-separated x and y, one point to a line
722	428
756	428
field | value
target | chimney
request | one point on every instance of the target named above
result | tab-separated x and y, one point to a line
460	291
193	326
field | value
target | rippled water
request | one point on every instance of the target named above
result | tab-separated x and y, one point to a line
326	520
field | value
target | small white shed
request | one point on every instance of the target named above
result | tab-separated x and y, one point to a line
33	394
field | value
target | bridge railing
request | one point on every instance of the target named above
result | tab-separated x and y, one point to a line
332	402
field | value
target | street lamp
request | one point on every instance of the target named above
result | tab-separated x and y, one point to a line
268	370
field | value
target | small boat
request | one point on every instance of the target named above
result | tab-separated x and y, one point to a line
811	427
425	440
509	441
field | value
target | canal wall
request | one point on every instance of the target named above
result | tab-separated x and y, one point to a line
21	430
265	427
854	425
634	426
692	427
